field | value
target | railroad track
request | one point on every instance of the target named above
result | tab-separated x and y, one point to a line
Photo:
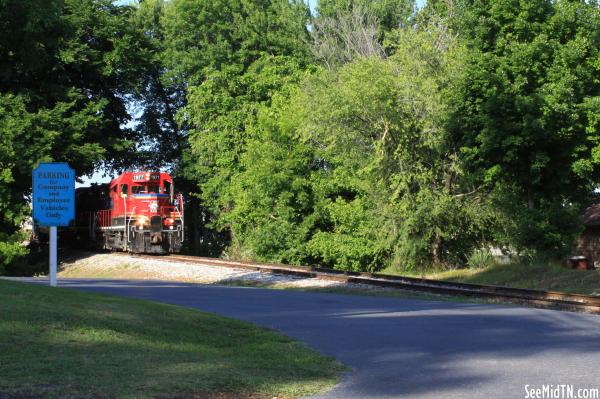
543	299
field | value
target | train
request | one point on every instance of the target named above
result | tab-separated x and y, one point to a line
137	212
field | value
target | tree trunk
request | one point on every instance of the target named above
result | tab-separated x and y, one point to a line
530	203
437	249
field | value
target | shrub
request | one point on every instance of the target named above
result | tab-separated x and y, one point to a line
480	259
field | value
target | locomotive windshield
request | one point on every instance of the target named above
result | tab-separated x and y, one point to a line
143	189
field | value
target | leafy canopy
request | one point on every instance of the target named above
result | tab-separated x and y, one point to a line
66	71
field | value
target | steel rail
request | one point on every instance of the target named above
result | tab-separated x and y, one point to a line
538	298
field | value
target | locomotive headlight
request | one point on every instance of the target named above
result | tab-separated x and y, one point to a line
169	222
141	221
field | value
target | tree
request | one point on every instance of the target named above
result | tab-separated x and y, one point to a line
67	69
225	108
345	30
384	123
390	14
270	195
355	169
232	56
346	36
527	113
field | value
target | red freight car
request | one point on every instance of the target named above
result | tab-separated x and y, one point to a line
137	212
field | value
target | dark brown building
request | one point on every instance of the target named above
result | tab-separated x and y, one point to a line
589	242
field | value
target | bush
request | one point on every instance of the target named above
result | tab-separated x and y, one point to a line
11	250
32	262
480	259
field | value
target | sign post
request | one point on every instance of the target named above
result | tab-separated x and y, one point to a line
53	256
53	202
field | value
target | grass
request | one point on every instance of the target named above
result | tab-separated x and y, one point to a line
540	276
59	343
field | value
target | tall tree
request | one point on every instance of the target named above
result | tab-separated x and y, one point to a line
67	69
231	55
528	112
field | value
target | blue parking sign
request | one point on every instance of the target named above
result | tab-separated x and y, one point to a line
53	194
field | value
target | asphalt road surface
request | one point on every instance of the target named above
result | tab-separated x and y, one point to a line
401	348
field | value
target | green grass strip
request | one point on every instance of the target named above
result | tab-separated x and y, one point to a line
60	343
548	276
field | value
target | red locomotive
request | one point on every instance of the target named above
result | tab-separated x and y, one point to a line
137	212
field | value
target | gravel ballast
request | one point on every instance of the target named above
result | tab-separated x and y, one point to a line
108	265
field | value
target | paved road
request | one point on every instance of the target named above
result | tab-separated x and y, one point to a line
401	348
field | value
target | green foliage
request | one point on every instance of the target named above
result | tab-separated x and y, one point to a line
222	108
234	55
349	235
160	139
523	112
11	249
352	170
269	195
27	138
481	259
550	230
206	36
66	69
428	155
428	136
480	127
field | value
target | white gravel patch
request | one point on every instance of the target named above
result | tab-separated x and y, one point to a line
132	267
